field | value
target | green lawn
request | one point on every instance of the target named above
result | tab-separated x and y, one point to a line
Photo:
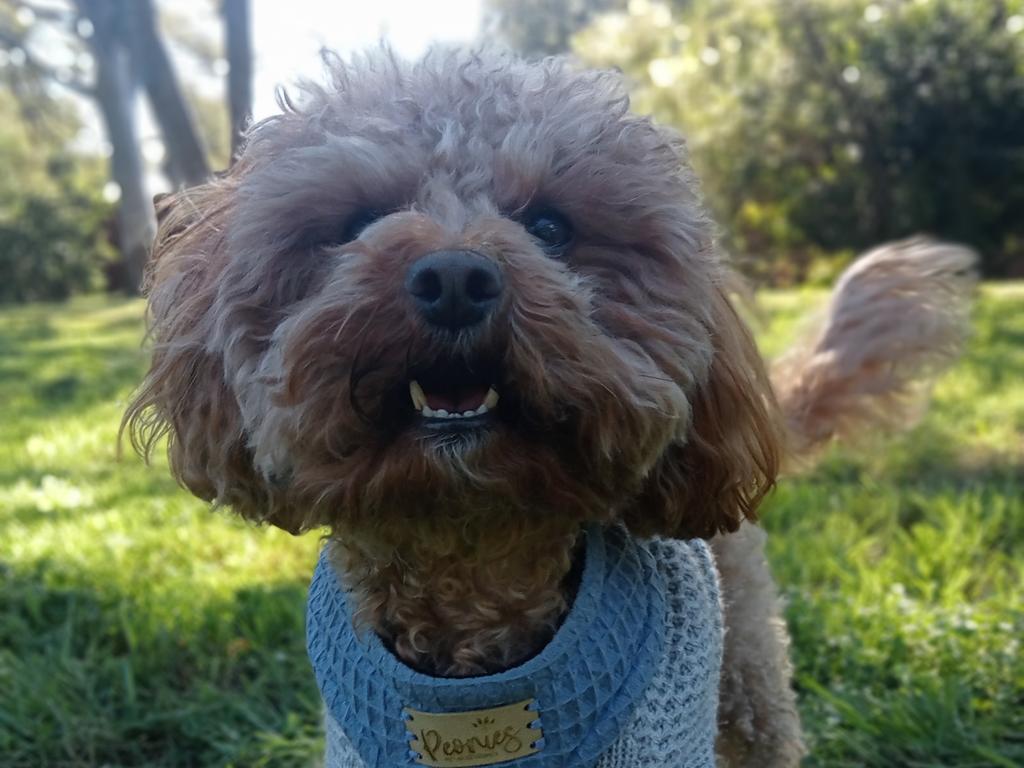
138	628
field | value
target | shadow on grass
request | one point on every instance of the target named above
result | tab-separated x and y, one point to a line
56	360
91	679
61	383
27	329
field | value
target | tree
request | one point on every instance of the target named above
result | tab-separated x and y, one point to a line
153	64
826	126
125	49
544	27
114	92
238	44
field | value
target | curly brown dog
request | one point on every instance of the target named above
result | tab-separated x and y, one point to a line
455	310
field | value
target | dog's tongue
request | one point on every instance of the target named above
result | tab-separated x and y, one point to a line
457	400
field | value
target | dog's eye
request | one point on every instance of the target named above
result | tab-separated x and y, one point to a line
359	221
328	235
551	229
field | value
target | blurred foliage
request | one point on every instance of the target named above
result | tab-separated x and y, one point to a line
214	125
53	220
543	27
828	126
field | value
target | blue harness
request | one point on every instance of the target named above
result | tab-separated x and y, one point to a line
584	684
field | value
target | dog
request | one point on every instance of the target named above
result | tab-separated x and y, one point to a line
461	311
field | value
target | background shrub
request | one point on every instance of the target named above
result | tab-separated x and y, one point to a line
829	126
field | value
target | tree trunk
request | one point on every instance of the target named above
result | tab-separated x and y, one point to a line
238	44
186	154
115	92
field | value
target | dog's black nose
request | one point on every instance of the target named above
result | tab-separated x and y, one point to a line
454	289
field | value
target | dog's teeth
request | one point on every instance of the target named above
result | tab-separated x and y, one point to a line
492	399
419	400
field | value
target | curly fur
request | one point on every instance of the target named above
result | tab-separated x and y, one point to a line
758	720
630	390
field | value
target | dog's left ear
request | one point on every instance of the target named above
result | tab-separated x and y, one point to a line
717	474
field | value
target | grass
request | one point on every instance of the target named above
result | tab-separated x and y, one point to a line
139	628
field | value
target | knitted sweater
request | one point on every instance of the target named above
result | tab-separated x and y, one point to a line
630	679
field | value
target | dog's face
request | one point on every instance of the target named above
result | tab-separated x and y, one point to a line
471	283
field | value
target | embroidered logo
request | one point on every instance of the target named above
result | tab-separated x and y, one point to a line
478	737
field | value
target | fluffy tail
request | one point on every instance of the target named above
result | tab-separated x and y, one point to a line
897	318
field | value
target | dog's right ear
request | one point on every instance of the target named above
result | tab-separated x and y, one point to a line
185	396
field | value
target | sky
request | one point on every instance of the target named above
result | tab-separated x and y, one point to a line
287	34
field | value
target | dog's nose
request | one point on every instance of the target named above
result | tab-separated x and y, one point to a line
454	289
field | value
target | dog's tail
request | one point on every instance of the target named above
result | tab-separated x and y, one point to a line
897	318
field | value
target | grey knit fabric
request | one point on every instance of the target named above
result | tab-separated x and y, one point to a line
673	724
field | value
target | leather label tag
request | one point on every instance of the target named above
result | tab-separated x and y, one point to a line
477	737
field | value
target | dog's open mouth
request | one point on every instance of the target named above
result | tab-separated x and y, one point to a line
453	394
